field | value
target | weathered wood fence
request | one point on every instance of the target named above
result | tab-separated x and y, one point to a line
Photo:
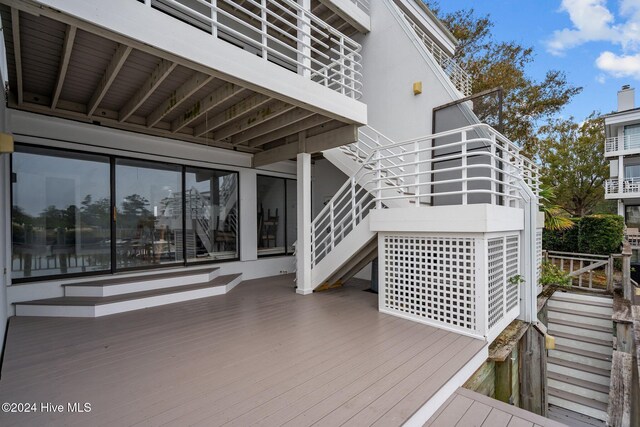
581	268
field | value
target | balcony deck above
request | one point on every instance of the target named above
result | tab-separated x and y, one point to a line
250	79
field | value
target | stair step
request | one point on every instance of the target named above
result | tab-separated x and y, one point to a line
578	391
578	358
605	350
125	285
579	382
579	317
584	302
571	418
574	337
580	366
102	306
605	334
552	304
580	404
581	313
583	352
584	297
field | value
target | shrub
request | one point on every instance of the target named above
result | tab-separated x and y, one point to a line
592	234
552	275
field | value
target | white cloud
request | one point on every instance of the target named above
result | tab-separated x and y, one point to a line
601	78
619	65
593	21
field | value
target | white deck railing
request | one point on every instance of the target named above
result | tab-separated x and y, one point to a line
621	143
362	4
628	186
460	79
479	165
280	31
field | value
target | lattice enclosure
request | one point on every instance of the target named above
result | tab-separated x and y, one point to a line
513	269
495	254
538	252
430	278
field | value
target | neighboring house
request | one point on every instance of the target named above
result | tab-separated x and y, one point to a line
156	139
622	149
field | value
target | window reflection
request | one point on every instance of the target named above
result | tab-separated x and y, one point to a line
211	204
149	214
60	214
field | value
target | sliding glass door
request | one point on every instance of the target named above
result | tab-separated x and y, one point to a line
60	213
148	214
211	202
76	213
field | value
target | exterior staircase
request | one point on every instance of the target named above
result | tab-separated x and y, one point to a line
116	294
579	369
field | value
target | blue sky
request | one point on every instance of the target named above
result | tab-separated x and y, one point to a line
595	42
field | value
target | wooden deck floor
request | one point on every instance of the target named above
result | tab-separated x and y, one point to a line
466	408
260	355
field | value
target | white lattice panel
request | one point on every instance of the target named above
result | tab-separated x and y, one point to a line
538	253
495	256
430	278
513	269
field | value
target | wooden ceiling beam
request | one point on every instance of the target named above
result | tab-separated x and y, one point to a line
69	37
243	107
293	128
263	115
273	125
177	97
115	65
152	83
206	104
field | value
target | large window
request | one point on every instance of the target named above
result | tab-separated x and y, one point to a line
78	213
211	214
149	213
276	215
60	213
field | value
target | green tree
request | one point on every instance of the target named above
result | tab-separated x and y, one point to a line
492	63
573	164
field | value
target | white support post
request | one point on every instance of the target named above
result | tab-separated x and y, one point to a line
378	180
494	200
418	174
304	39
264	29
529	300
464	167
303	245
214	18
620	174
481	283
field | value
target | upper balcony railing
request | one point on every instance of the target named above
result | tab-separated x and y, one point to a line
625	187
622	143
460	79
278	31
362	4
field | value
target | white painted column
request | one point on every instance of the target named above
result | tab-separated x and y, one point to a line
248	215
620	173
620	208
303	245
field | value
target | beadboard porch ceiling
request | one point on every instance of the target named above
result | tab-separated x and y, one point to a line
88	74
260	355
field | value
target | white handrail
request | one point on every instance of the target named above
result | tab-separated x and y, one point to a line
280	31
480	165
458	76
620	143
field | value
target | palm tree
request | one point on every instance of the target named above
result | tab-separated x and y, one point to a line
554	216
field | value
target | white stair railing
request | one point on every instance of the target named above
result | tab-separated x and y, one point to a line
475	164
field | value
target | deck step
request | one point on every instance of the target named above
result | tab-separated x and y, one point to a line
570	356
102	306
606	343
581	317
125	285
571	418
583	297
583	352
580	404
578	370
594	301
564	304
586	392
579	382
590	331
